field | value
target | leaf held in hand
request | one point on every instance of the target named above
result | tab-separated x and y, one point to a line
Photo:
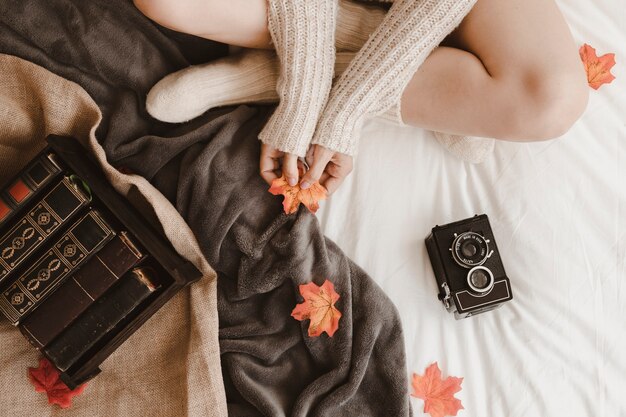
46	379
319	307
437	393
294	195
598	68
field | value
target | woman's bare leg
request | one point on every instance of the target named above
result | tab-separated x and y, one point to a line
509	71
513	72
235	22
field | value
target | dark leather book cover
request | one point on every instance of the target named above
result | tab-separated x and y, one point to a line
76	246
28	183
100	318
76	294
39	225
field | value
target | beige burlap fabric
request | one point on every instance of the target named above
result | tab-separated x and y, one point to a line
169	367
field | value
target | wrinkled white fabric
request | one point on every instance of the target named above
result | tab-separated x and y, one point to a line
558	210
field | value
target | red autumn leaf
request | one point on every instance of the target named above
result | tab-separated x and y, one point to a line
437	393
294	195
46	379
598	68
319	307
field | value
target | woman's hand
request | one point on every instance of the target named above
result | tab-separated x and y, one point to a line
274	161
328	167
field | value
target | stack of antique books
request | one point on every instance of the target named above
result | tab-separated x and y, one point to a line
80	268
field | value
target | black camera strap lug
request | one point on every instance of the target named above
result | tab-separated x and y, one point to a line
446	296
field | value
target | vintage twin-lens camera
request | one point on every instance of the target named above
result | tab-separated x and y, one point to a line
467	266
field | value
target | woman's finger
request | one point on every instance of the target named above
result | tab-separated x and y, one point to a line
290	168
336	172
332	183
303	166
268	165
329	181
316	170
309	156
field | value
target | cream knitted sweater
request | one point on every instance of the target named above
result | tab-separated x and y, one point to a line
310	111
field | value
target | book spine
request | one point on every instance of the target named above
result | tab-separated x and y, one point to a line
30	181
100	318
37	226
76	294
75	247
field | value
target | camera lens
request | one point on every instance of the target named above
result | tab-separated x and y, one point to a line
470	249
480	280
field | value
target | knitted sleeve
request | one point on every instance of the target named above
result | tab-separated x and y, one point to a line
303	33
375	79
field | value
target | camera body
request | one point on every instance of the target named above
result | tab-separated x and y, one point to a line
467	266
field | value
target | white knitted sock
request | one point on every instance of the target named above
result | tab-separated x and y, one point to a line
250	76
246	77
355	23
468	148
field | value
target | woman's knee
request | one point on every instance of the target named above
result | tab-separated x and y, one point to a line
164	12
188	16
549	104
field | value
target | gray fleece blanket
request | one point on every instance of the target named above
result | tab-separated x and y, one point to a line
209	168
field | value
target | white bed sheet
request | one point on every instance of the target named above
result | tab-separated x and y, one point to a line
558	210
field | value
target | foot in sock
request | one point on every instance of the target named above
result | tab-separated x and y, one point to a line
470	149
249	76
246	77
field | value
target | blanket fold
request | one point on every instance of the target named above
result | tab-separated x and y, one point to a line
261	256
208	169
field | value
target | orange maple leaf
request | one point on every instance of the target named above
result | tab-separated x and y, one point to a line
598	68
319	307
46	379
437	393
294	195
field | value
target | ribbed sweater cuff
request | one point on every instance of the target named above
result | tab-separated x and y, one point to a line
303	33
339	133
